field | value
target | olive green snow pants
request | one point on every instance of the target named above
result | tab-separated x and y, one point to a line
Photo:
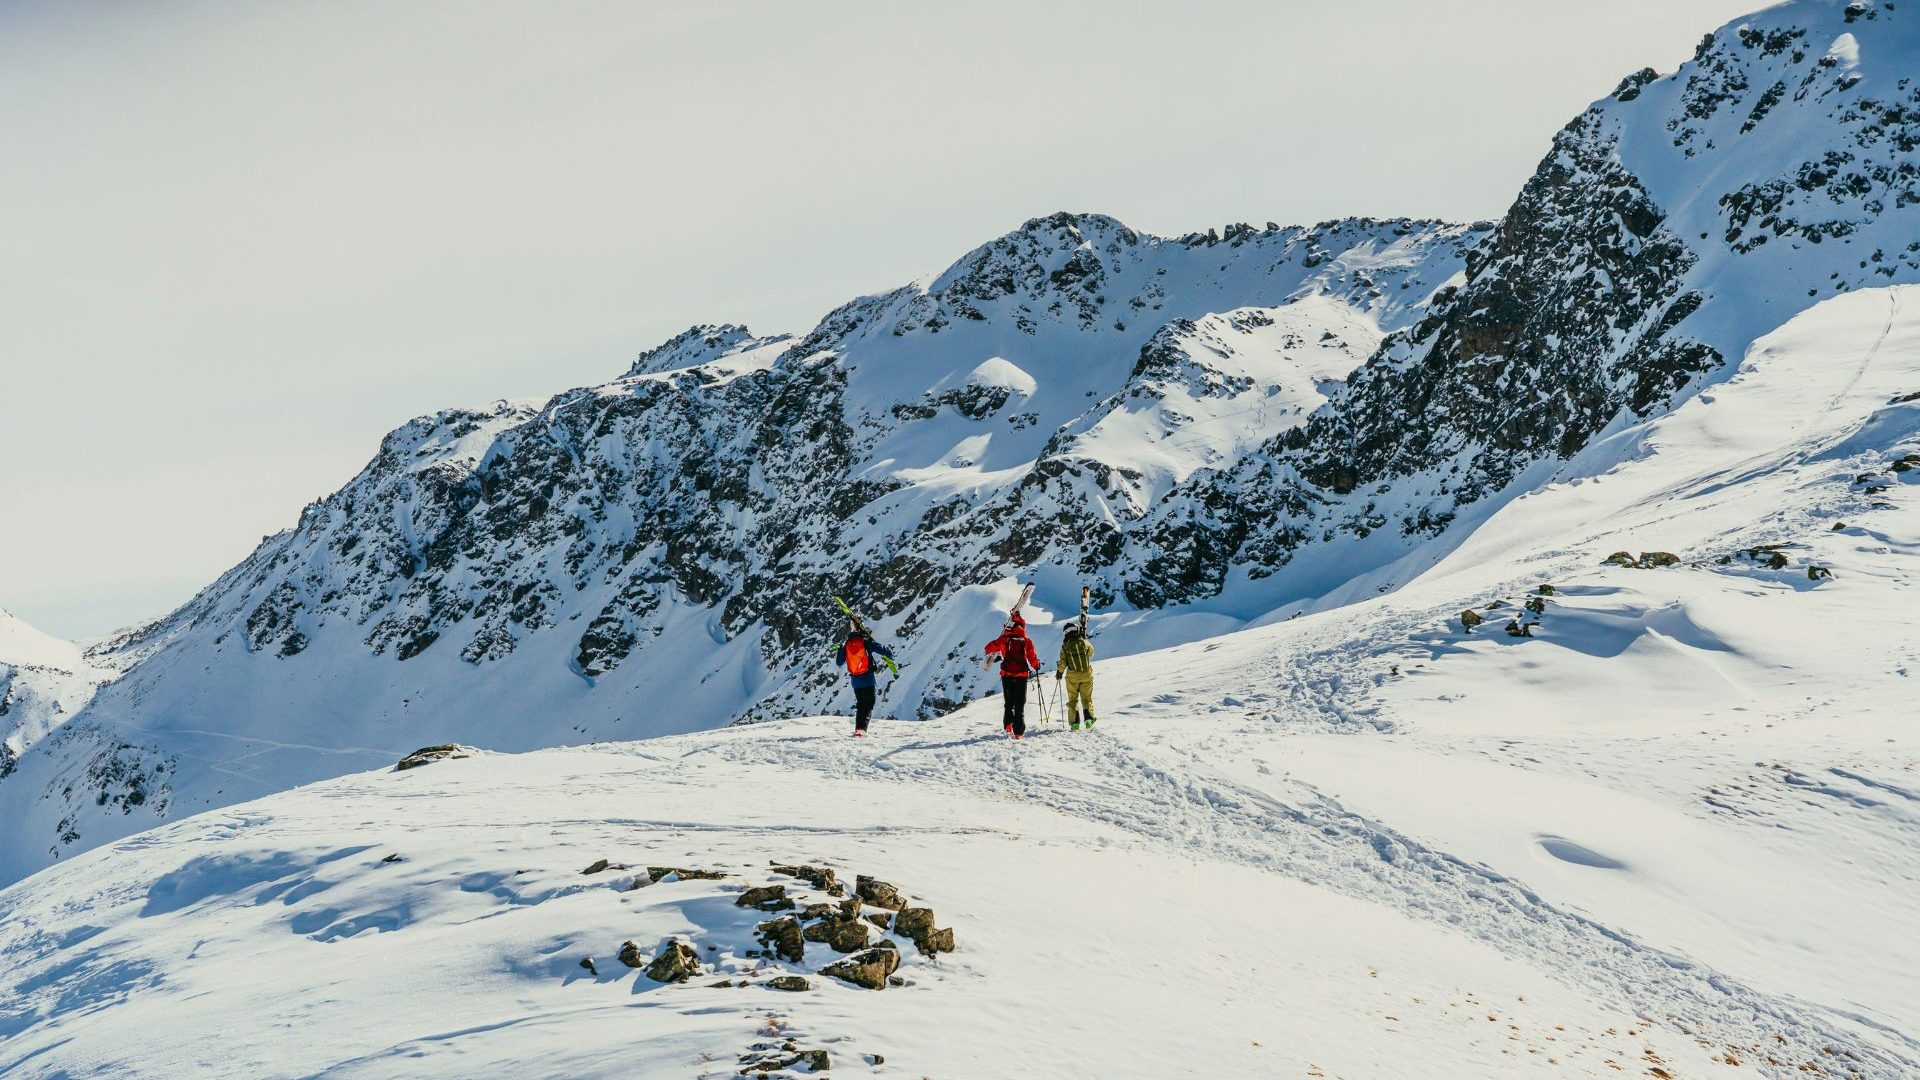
1079	695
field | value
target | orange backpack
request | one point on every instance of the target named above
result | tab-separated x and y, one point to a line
858	662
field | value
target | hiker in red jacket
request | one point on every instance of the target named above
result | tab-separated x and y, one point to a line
1018	663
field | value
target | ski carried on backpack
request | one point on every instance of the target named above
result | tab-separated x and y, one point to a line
1026	594
860	626
1083	611
853	618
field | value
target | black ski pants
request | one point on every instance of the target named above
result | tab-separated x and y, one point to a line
862	706
1013	692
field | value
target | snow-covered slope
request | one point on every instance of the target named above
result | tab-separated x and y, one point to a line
44	682
1082	948
1212	431
1668	832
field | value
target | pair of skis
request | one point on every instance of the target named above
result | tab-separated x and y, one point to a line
1044	717
1033	679
1026	594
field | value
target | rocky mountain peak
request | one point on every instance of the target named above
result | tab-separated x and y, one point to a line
1669	225
702	344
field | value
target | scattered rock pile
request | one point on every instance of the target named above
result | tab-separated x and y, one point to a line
871	969
779	1051
916	923
814	876
842	929
1881	482
1648	560
1520	625
657	873
878	893
630	955
815	907
677	962
841	924
427	755
782	937
766	898
769	1061
844	925
1765	556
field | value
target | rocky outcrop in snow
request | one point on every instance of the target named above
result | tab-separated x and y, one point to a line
44	682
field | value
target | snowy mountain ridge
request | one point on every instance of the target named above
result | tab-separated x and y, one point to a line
1673	223
1211	431
1664	830
687	522
44	682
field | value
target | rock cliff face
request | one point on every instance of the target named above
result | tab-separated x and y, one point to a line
1203	429
1027	407
1671	224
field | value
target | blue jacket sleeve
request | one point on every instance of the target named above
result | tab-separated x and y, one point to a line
882	650
840	658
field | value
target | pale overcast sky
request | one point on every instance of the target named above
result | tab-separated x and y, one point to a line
243	241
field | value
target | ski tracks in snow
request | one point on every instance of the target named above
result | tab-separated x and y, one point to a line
1866	361
1149	771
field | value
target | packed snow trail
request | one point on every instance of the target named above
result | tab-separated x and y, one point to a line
1130	772
434	923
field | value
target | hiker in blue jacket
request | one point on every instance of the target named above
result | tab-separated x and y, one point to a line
858	654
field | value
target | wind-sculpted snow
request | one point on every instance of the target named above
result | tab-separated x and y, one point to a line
1207	430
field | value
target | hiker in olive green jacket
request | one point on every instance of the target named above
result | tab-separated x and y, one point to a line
1076	666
